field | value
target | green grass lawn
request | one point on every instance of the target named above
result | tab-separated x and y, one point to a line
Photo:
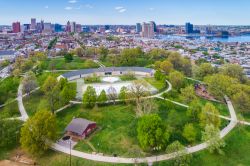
159	85
61	64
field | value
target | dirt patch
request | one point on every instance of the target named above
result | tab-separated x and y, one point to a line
20	157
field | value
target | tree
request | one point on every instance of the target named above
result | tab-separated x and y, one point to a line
188	94
166	66
211	135
159	76
242	101
68	57
9	132
194	110
79	51
29	82
210	115
234	71
152	134
49	84
189	132
176	78
39	132
123	93
175	59
112	94
219	85
146	106
89	97
182	158
102	98
67	93
103	52
186	67
138	89
203	70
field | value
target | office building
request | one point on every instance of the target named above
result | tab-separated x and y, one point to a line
47	28
33	24
78	28
189	28
58	28
16	27
147	30
154	25
73	27
138	28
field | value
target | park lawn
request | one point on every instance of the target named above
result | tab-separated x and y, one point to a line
159	85
42	77
61	64
10	110
116	133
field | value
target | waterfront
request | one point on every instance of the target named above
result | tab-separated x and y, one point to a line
241	39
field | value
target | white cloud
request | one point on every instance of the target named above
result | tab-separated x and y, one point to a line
122	10
72	1
89	6
46	7
151	9
68	8
119	8
79	7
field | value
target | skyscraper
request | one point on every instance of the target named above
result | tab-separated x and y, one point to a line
78	28
47	28
189	28
33	24
73	27
138	28
58	28
154	25
147	30
68	27
16	27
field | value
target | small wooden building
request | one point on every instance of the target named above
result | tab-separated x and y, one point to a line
80	128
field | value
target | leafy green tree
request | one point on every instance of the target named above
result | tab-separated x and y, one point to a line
9	132
176	59
166	66
174	119
219	85
123	93
49	84
194	110
203	70
234	71
188	94
182	158
102	98
189	132
210	115
68	57
29	82
39	132
186	67
67	93
152	134
211	135
89	97
159	75
103	52
176	78
242	101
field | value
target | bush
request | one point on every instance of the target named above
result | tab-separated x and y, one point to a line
128	76
92	79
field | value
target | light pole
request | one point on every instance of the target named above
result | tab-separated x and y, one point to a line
70	152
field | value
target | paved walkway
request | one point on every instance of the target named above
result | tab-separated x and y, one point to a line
24	115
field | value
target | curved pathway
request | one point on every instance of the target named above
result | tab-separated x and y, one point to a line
152	159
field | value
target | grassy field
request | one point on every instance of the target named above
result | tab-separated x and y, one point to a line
159	85
61	64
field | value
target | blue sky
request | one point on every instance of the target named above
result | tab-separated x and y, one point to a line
230	12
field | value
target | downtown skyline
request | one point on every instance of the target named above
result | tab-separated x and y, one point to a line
127	12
